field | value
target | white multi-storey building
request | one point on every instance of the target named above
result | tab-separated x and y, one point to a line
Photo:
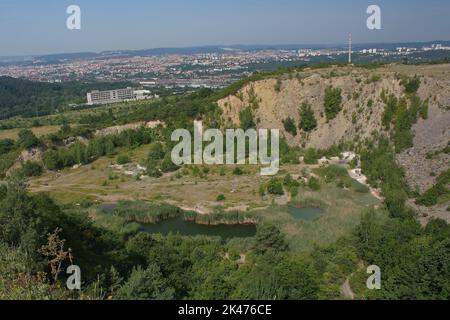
110	96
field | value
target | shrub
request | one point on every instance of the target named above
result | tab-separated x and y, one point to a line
52	160
308	120
291	185
153	169
148	284
262	190
374	78
314	184
278	85
156	151
275	187
311	156
123	159
424	111
32	169
334	172
246	119
27	139
167	164
6	145
354	118
411	84
289	126
404	120
432	195
220	197
332	102
390	110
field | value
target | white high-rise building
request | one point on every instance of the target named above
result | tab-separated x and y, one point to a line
110	96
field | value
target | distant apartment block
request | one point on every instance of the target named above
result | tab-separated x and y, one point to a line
110	96
120	95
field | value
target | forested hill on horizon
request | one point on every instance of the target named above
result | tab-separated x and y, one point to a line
208	49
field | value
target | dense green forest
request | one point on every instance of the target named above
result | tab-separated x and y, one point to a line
19	97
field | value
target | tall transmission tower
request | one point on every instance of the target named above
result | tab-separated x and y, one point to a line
350	48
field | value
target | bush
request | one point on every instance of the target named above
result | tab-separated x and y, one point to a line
332	102
6	145
148	284
123	159
262	190
390	110
52	160
156	151
278	85
314	184
334	172
311	156
167	164
289	126
374	78
269	238
153	169
359	187
27	139
411	84
424	111
308	120
246	119
275	187
440	189
291	185
405	118
220	197
32	169
238	171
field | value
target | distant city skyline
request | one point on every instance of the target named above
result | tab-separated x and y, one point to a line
39	28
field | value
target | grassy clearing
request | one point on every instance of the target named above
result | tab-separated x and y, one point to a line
197	189
342	212
38	131
72	116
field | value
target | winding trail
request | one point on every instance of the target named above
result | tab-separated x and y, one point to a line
347	291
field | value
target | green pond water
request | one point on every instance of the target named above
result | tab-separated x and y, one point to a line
187	228
307	214
108	207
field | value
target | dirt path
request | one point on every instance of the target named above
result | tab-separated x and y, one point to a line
346	290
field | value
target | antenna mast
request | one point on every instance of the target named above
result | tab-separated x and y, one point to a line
350	48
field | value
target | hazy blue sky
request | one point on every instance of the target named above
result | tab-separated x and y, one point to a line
39	27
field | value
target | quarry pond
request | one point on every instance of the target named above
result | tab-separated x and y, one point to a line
307	214
179	225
